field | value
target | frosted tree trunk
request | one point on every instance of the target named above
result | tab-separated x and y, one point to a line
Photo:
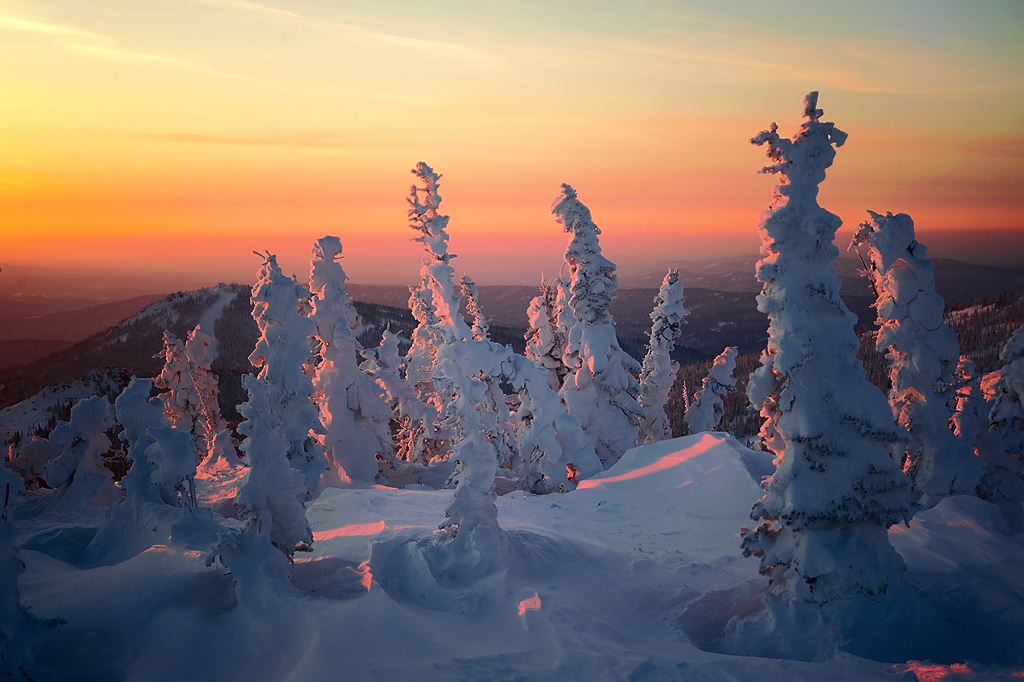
355	418
923	353
836	490
659	370
600	390
706	411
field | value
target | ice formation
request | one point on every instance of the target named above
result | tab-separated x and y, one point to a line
659	370
836	490
600	390
282	354
923	353
707	408
356	419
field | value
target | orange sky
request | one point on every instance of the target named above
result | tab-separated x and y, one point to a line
182	135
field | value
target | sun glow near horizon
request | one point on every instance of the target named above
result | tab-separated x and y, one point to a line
185	135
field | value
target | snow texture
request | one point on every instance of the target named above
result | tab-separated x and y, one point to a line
659	370
355	417
600	390
923	353
825	510
707	408
282	355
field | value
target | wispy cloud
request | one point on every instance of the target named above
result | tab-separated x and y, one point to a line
92	44
469	54
311	140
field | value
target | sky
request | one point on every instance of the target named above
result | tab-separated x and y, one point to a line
182	135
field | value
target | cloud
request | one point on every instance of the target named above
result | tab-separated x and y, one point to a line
92	44
311	140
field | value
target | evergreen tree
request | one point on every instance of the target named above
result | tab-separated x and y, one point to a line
836	490
282	355
545	338
705	412
82	442
481	329
659	370
353	414
190	388
923	353
600	390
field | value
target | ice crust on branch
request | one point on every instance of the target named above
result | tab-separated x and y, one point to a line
356	419
836	490
659	370
923	354
600	389
283	356
706	410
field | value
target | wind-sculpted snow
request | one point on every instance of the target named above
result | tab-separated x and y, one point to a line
636	574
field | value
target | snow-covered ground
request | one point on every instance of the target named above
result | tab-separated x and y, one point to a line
634	576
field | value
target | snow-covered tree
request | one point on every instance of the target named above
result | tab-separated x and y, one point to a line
481	329
282	354
274	490
706	410
419	360
545	338
82	442
600	390
1001	481
356	419
190	388
1000	446
659	370
923	353
836	490
416	436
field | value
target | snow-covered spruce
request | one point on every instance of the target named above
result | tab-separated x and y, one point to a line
923	353
78	472
1001	480
659	370
600	390
189	388
545	338
356	419
836	490
481	328
1001	445
282	354
273	492
416	438
706	410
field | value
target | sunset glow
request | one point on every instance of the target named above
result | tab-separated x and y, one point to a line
181	136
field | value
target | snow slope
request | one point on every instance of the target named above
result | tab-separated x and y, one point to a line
625	578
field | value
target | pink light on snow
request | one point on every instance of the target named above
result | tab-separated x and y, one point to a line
351	530
934	673
667	462
529	604
366	578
